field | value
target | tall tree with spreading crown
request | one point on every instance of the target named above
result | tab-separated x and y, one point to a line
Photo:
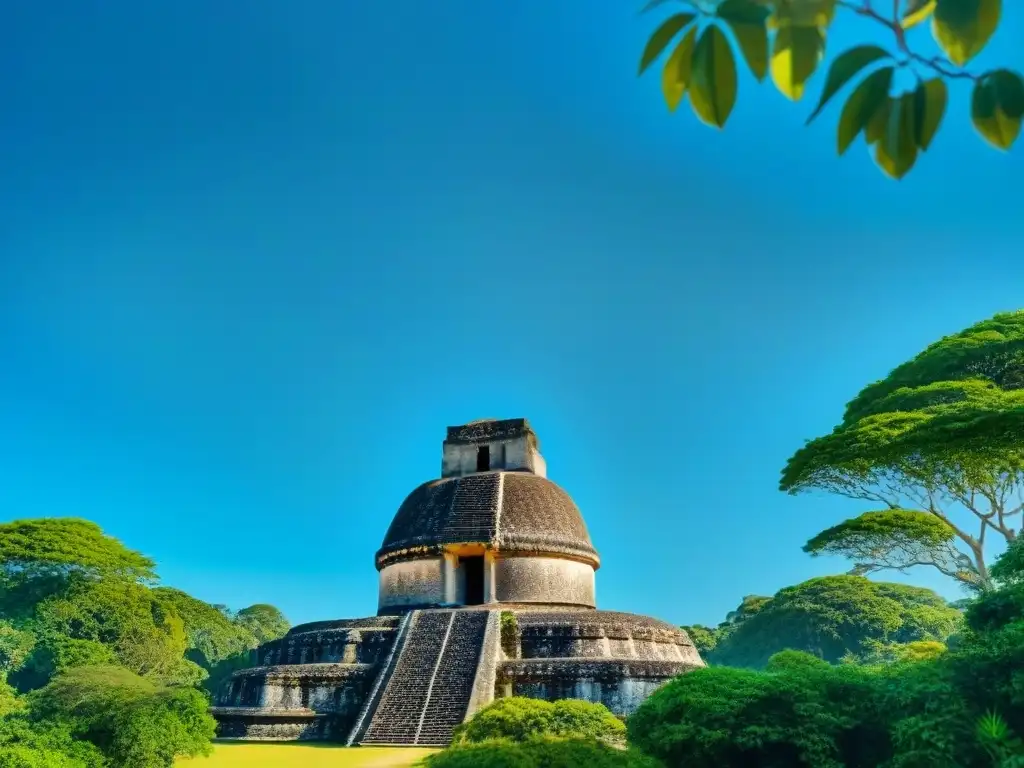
937	449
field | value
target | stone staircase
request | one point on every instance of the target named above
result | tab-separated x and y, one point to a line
429	689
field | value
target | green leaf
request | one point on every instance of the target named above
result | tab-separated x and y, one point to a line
989	118
897	151
930	99
662	37
675	77
713	86
795	55
963	27
875	129
915	12
843	69
803	13
748	22
1009	89
871	95
653	4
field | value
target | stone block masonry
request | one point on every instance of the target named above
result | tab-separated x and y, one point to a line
430	689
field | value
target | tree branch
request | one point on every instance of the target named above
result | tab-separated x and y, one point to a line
861	569
937	63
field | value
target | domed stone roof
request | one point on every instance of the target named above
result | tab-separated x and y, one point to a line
510	511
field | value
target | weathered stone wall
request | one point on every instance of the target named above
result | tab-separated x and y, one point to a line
603	634
620	685
412	583
548	580
344	646
487	667
616	659
310	684
321	687
516	454
256	724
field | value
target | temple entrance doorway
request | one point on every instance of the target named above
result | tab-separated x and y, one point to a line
473	571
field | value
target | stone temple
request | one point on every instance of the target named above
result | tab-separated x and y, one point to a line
486	590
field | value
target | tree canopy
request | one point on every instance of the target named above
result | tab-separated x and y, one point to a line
265	622
788	39
937	444
98	667
928	707
211	633
834	618
58	546
75	597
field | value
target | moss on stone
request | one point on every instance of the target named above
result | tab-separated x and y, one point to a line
510	634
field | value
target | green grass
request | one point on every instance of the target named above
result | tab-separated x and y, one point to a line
289	754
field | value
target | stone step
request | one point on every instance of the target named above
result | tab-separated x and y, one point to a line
429	691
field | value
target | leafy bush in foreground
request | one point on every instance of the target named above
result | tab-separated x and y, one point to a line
24	744
538	753
134	722
807	714
520	719
929	708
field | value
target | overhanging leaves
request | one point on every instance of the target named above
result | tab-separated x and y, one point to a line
917	11
963	27
713	86
846	66
866	100
803	13
1009	90
997	105
675	77
930	100
662	36
796	52
897	150
748	22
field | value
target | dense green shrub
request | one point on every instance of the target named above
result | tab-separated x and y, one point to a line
807	714
996	609
900	653
538	753
918	705
9	699
57	654
519	719
785	660
26	744
134	722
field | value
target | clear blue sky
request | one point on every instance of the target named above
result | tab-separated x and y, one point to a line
254	257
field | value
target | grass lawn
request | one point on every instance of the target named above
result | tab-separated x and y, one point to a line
291	754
